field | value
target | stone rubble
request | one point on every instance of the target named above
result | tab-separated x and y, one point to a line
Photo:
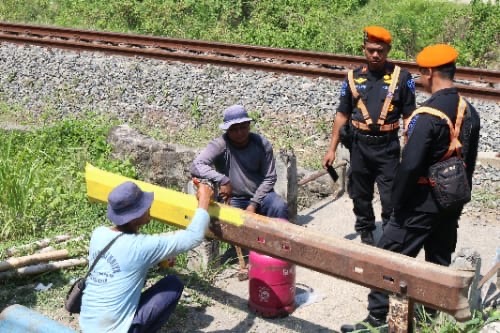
173	96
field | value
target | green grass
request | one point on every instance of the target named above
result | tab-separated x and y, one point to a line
43	194
42	190
488	198
322	25
42	187
446	324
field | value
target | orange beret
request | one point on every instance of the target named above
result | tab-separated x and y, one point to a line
377	34
436	55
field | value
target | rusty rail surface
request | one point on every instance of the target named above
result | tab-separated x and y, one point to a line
439	287
290	61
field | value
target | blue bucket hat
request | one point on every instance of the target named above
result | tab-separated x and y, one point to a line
234	115
127	202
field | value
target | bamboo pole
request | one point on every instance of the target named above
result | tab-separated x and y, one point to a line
37	245
32	259
489	275
42	268
71	240
46	249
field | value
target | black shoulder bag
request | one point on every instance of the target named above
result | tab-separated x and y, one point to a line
448	177
73	301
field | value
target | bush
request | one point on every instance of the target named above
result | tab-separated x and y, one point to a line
480	36
330	26
42	186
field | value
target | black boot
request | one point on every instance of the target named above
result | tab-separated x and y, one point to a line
369	322
367	237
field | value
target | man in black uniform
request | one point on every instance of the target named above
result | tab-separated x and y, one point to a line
419	221
372	100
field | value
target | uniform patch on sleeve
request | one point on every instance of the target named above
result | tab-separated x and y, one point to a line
411	84
343	88
412	123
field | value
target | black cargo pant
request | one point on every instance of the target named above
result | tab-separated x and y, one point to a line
407	233
373	159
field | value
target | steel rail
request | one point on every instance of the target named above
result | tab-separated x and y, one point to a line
295	62
439	287
181	57
322	58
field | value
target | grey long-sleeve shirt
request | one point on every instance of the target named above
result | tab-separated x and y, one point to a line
251	170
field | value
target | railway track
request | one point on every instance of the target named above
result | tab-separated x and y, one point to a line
472	82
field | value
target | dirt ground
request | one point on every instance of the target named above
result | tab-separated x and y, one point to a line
325	302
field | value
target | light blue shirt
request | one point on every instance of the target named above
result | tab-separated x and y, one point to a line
114	286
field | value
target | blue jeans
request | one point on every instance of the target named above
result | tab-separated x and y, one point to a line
156	305
272	205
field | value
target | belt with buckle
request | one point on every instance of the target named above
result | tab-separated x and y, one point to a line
371	139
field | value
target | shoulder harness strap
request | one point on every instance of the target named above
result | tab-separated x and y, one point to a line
106	248
350	80
390	95
355	94
385	108
462	106
455	144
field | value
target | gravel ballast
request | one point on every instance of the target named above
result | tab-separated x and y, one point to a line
173	96
137	88
167	95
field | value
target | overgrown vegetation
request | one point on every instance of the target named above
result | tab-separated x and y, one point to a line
43	194
322	25
445	324
42	189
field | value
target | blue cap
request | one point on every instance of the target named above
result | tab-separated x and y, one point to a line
127	202
234	115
